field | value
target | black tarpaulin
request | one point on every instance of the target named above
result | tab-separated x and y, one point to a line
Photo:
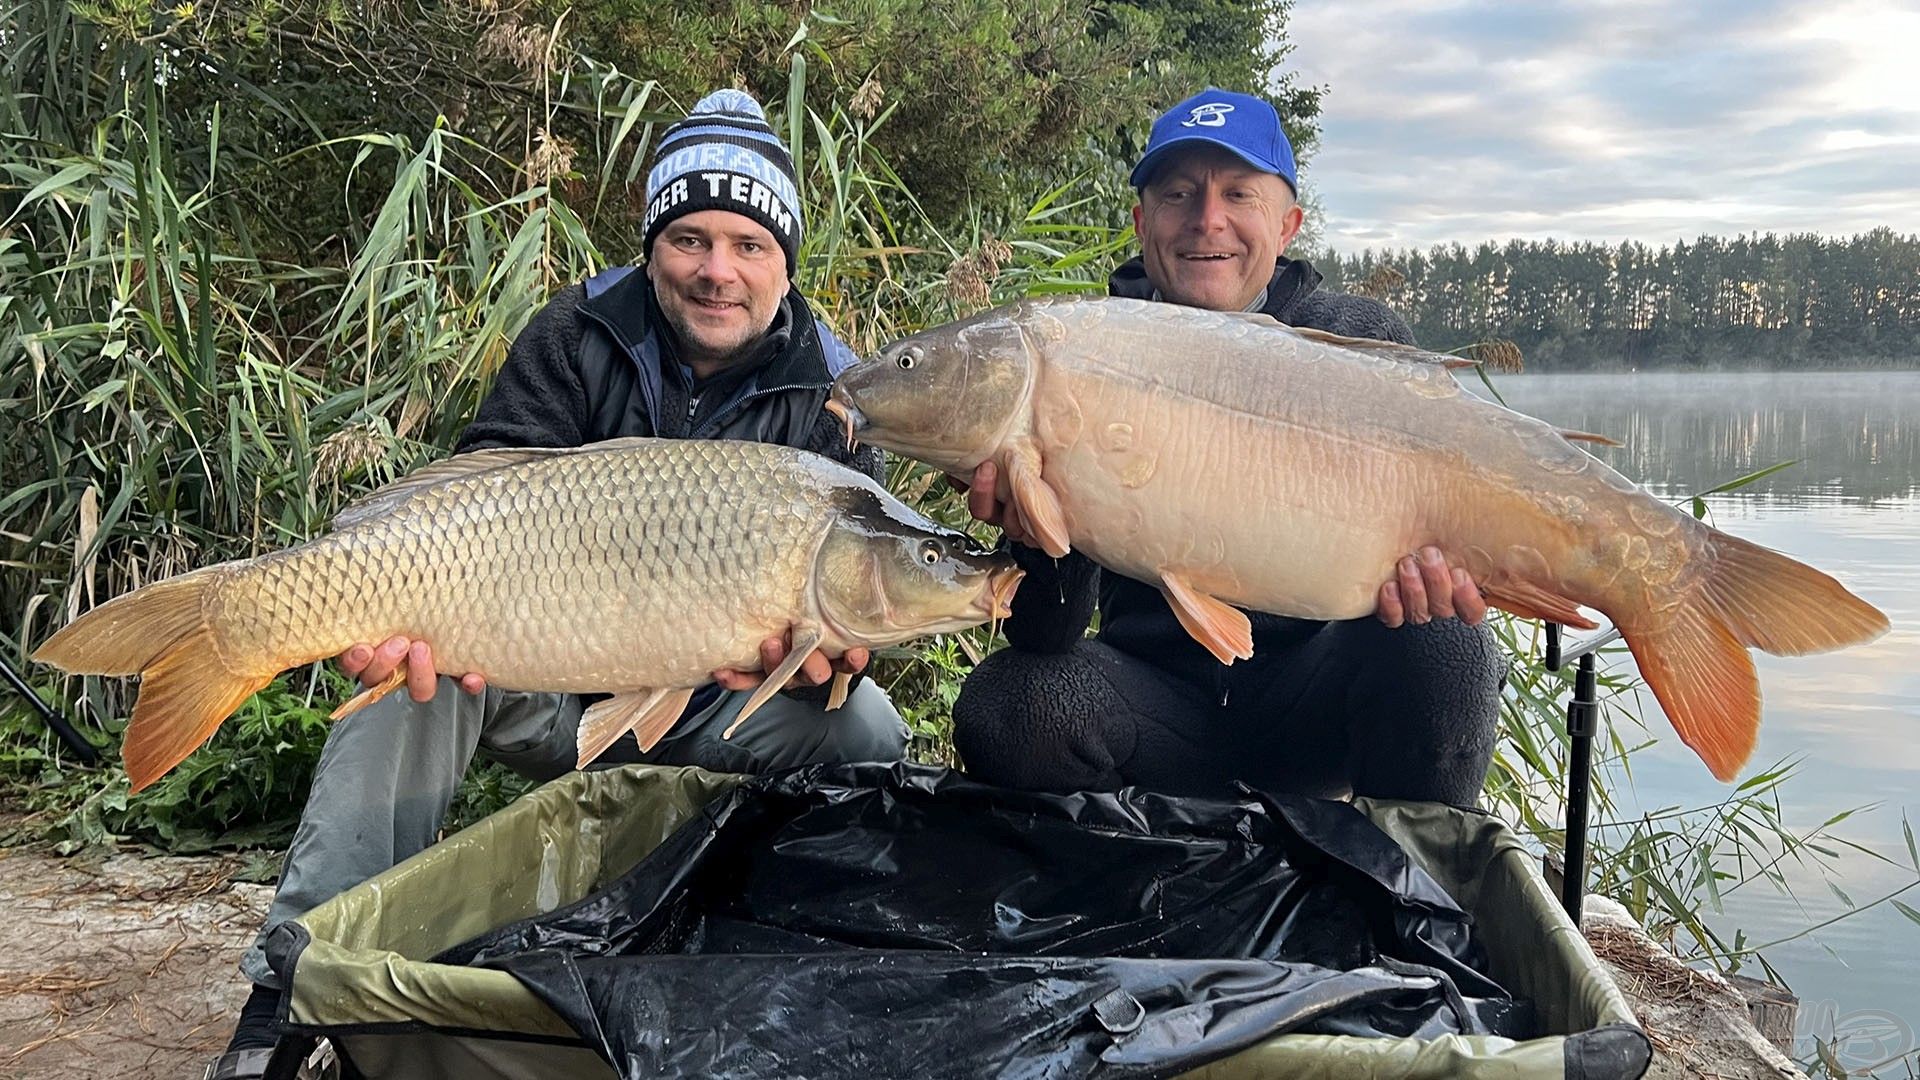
904	921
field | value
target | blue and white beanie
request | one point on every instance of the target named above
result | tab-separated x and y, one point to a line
724	156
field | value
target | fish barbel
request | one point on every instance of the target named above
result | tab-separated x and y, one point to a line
1235	461
632	567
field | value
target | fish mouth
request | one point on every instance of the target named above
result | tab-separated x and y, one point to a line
850	418
997	598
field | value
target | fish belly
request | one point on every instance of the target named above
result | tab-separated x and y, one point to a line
1286	520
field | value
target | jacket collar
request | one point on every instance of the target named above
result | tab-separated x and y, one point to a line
1293	281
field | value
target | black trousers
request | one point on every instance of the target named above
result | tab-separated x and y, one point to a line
1355	707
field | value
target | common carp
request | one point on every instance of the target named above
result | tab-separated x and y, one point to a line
634	567
1239	462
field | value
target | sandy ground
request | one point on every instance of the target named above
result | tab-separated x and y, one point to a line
120	966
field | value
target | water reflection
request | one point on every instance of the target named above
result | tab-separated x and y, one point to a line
1856	436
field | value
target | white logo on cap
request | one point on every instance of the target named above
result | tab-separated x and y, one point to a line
1212	114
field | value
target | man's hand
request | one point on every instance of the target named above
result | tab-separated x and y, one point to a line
816	669
987	503
1426	588
371	665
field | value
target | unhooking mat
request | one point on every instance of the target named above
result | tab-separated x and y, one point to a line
904	921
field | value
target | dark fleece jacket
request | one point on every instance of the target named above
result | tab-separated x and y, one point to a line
1056	603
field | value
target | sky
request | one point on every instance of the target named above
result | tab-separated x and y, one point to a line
1653	121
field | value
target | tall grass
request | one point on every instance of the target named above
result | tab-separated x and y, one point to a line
172	399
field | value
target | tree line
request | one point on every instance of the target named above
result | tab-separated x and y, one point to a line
1795	301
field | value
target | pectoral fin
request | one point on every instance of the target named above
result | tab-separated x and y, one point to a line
605	721
372	693
1221	627
842	684
1039	507
804	644
661	717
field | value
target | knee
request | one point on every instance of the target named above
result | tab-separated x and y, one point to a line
870	728
1040	721
1444	666
1433	713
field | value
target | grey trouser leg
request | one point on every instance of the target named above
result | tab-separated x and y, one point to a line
784	734
388	772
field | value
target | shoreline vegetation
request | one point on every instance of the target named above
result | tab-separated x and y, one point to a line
225	314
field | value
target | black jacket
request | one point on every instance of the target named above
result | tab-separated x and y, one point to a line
1056	603
599	362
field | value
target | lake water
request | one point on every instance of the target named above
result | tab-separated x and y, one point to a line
1851	506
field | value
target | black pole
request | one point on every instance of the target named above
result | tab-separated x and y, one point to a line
1583	715
81	748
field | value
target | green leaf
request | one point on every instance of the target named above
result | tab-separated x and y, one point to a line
1743	481
1828	1060
93	398
1710	878
53	183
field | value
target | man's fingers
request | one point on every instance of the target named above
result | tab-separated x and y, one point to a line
1438	580
386	656
1413	592
772	651
814	670
473	683
982	503
1391	610
853	662
355	660
1467	601
422	680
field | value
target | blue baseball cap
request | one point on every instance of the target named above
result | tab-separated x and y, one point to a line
1242	123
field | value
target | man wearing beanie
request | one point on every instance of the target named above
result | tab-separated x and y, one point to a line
1402	705
707	339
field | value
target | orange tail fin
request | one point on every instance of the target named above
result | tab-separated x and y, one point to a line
161	633
1694	657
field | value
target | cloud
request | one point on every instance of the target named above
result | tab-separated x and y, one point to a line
1609	120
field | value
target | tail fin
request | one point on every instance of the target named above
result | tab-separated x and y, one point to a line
159	632
1694	656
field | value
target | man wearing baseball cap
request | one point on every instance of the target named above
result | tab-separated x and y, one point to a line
709	340
1401	705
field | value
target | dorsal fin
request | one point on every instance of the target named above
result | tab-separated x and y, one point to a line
383	500
1393	350
1588	436
472	463
1258	318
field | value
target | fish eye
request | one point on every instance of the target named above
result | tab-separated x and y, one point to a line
931	552
907	358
